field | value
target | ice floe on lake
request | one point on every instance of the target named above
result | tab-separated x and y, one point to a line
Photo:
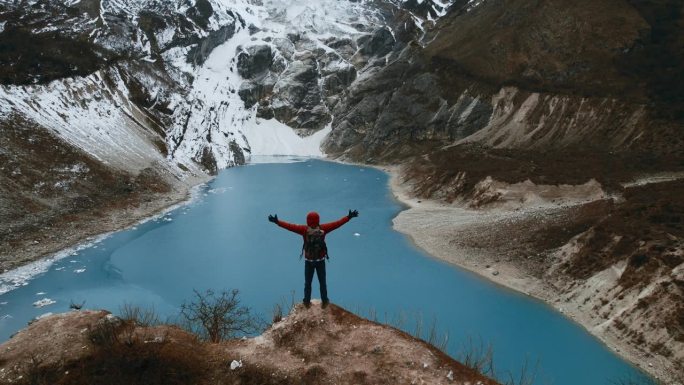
44	302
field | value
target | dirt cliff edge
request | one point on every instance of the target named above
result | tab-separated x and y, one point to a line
310	346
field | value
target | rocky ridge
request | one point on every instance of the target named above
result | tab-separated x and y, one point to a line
309	346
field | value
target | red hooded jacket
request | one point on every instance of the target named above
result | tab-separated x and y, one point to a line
312	220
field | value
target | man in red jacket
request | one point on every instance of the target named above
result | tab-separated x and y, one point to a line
314	250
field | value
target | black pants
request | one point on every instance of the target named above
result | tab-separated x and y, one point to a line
319	267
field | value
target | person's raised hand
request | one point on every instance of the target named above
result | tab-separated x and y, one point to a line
273	218
353	214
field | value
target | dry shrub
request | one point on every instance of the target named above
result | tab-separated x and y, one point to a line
217	317
140	316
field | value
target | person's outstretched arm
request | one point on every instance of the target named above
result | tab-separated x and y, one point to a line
328	227
299	229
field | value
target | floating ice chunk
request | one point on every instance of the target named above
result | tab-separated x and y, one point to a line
357	234
41	293
79	271
59	268
44	302
219	190
235	364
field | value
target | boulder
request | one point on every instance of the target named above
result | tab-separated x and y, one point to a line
284	46
254	60
380	43
345	46
338	81
253	91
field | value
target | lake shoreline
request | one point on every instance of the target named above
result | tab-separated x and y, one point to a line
114	221
421	217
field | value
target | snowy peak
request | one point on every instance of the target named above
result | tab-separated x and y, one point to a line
283	69
214	81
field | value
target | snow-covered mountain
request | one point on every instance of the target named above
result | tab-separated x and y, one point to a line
206	82
115	105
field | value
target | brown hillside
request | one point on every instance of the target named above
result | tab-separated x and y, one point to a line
310	346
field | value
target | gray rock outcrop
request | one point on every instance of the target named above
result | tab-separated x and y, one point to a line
254	60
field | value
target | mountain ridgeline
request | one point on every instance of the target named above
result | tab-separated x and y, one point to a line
108	105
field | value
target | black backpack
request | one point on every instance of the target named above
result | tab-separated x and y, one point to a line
314	244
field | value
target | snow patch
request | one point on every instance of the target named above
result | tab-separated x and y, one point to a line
69	108
270	137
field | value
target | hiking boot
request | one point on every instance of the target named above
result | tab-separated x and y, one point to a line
307	304
325	304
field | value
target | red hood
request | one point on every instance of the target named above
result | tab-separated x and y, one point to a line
312	219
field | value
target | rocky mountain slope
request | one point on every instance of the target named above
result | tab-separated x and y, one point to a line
523	75
310	346
512	107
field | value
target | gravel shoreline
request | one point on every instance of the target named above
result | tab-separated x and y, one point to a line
435	227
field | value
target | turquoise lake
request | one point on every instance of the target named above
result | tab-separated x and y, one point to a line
222	240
